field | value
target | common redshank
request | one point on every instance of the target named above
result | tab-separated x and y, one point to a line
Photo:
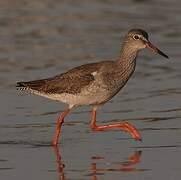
95	83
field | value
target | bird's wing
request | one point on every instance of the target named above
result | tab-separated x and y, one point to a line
70	82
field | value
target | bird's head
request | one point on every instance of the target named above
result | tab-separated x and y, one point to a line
138	39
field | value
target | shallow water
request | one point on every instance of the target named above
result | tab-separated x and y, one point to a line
42	38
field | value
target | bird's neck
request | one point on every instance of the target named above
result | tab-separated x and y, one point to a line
128	55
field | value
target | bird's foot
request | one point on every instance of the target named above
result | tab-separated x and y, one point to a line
132	130
125	126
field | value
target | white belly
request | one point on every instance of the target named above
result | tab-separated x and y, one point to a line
89	95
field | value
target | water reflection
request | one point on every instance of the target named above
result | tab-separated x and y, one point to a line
125	166
60	165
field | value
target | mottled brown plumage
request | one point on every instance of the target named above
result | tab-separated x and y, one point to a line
95	83
70	82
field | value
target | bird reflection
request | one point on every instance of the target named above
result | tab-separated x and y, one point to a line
60	165
132	160
125	166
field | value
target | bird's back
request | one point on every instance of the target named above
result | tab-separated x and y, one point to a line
93	83
69	82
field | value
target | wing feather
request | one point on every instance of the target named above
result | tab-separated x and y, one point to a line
70	82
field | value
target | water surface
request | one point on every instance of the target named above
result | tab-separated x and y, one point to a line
44	38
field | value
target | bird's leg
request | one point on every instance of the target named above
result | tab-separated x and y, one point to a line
125	126
59	123
60	165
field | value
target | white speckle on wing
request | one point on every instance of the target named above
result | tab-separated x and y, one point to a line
94	93
94	73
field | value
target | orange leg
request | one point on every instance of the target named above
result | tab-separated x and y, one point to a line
60	165
60	121
125	126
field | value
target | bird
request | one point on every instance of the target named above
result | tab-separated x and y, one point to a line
94	84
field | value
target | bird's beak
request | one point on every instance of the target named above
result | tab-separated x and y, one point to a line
154	49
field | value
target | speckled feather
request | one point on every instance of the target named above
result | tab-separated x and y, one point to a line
94	83
70	82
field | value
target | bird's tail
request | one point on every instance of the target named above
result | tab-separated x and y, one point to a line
36	85
21	86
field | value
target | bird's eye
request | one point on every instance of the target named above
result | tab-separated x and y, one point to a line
136	37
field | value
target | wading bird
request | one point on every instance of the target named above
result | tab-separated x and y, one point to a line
94	84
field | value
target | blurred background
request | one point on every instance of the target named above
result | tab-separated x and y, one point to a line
42	38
